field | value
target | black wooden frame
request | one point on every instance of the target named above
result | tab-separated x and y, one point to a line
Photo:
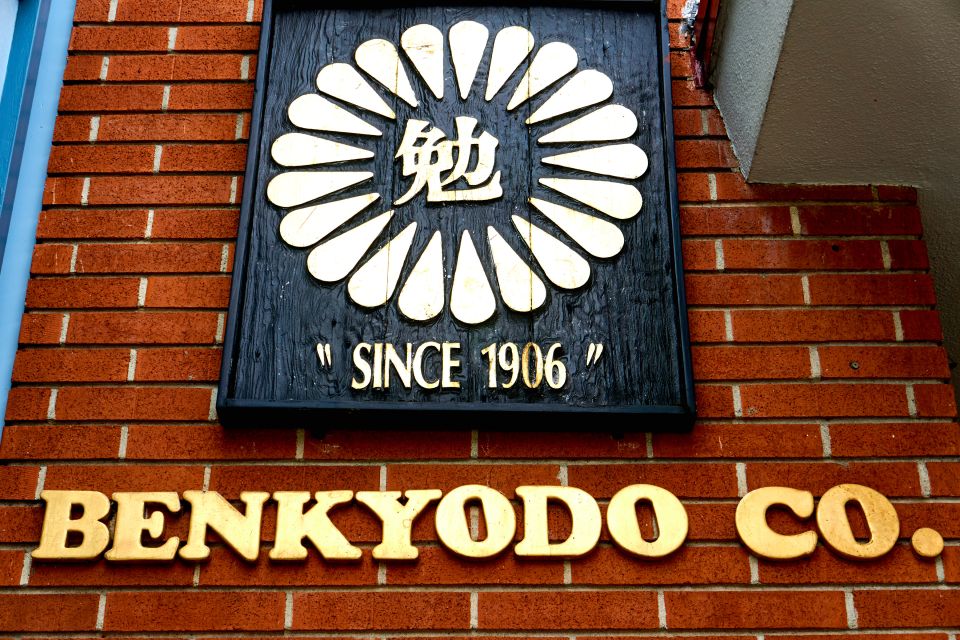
508	416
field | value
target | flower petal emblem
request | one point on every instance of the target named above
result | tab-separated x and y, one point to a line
380	265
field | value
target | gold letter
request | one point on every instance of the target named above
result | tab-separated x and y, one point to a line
835	527
240	531
402	368
418	366
585	522
128	533
57	525
361	366
669	513
498	514
397	519
293	525
449	364
753	529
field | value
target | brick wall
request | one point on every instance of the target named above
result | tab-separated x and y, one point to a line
816	355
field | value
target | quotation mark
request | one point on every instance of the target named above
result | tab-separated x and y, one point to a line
594	351
323	352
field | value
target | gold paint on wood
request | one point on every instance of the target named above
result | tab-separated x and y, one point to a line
293	525
299	187
373	284
423	44
585	89
626	161
453	529
308	226
343	82
131	525
397	518
553	61
927	543
835	528
598	237
563	266
511	47
302	150
585	519
316	113
58	525
333	260
617	200
612	122
468	40
380	59
756	534
671	519
240	531
422	295
471	298
521	289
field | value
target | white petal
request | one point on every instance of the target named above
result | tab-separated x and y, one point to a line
296	187
422	295
471	298
563	266
301	150
582	90
373	284
311	111
335	258
598	237
304	227
511	47
423	44
612	122
380	59
343	82
553	61
520	287
617	200
468	40
618	161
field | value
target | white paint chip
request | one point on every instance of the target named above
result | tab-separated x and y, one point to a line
238	132
924	475
815	371
245	68
825	440
712	182
104	68
288	611
795	221
661	610
206	478
234	181
165	102
41	480
741	479
101	611
157	155
124	434
251	4
94	128
718	250
474	610
172	39
728	325
132	365
852	621
737	401
221	322
567	572
52	406
885	253
73	258
149	230
25	571
383	477
224	258
563	476
64	327
212	415
85	192
112	13
805	283
911	401
142	293
754	570
897	327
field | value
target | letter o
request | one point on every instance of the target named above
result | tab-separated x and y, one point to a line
667	509
454	530
834	525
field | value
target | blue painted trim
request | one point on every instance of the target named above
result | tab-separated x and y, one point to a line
37	119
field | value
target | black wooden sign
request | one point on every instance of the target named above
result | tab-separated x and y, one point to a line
454	210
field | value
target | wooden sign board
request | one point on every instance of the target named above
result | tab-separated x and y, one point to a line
455	210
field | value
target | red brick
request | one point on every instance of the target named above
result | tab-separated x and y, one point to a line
892	479
531	444
213	442
893	289
756	610
693	187
741	441
895	193
884	362
898	439
943	517
714	401
944	478
160	190
687	566
93	223
83	68
908	255
685	480
20	523
112	574
731	186
167	67
744	363
704	154
859	220
357	444
109	479
218	38
400	611
231	480
76	293
203	223
102	98
921	325
776	255
18	482
188	292
812	326
602	610
503	478
699	255
735	290
101	158
182	11
167	126
735	221
915	608
92	10
205	157
935	400
192	611
180	365
71	129
711	522
439	566
58	191
133	403
48	612
212	97
715	125
685	94
149	257
41	328
706	326
951	564
118	38
823	567
687	122
11	564
226	568
27	403
143	328
62	442
51	259
681	64
71	365
823	400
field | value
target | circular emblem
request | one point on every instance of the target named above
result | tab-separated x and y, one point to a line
462	166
